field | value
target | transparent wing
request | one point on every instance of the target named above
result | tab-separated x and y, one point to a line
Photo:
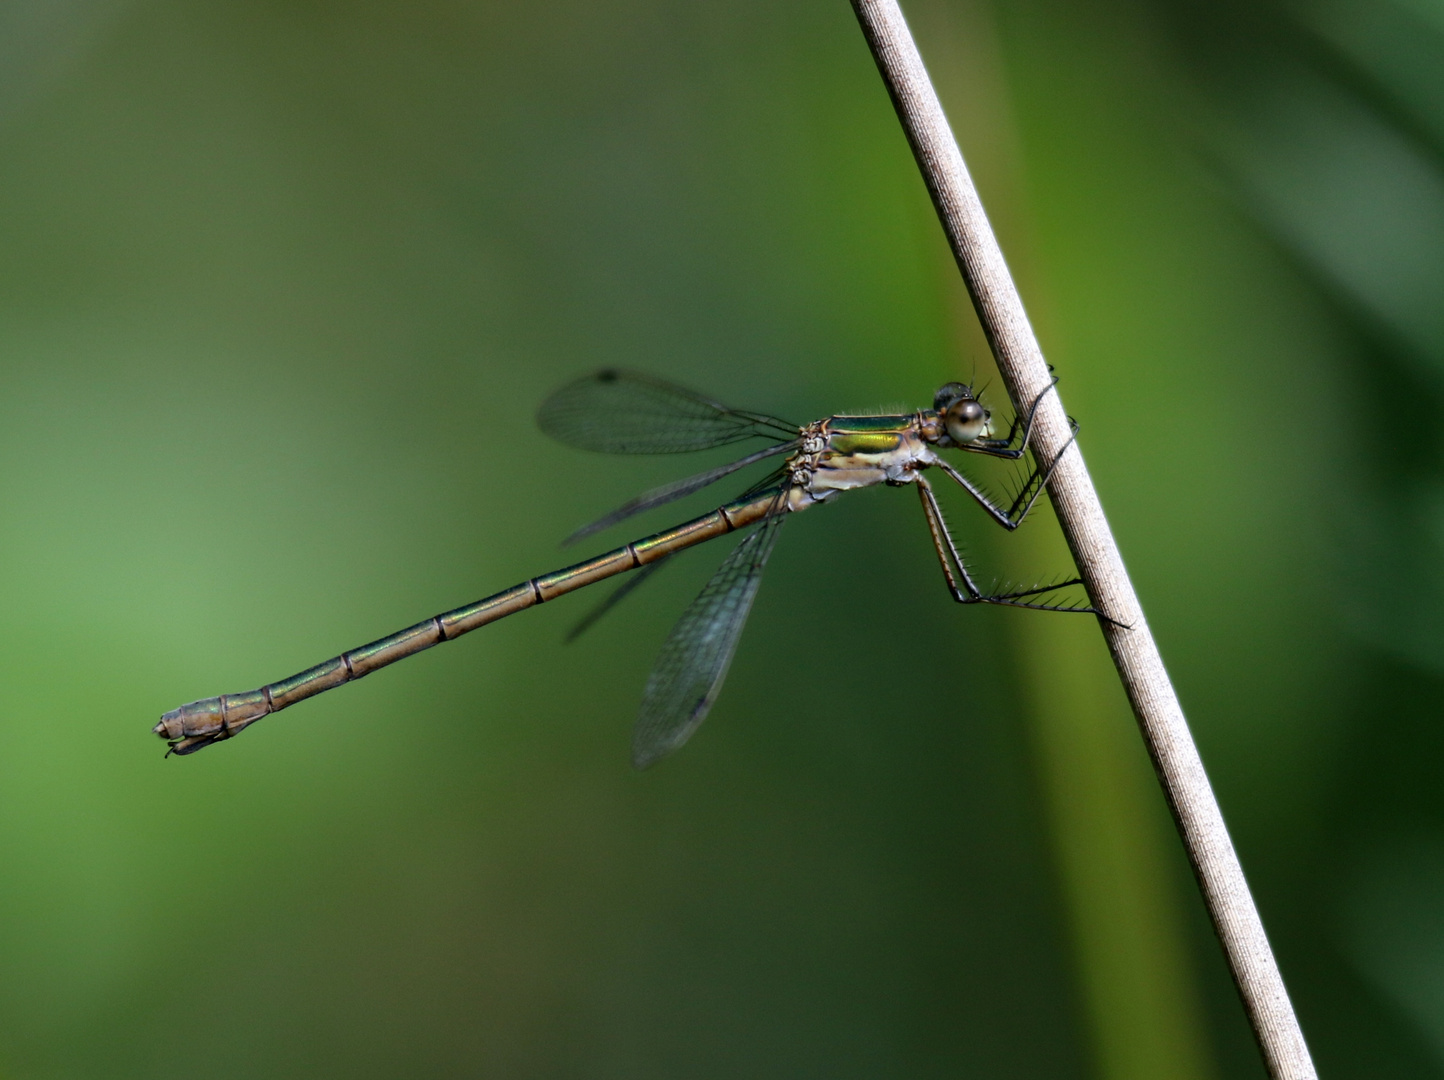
688	674
676	490
615	597
623	412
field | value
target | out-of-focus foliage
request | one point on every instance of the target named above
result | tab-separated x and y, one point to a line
280	288
1325	123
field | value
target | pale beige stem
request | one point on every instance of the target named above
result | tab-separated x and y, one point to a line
1160	719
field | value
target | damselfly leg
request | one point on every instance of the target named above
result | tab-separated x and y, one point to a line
1004	448
955	570
1012	515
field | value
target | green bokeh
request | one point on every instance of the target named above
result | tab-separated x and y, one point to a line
280	288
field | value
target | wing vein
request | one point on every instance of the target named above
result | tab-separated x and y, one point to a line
625	412
696	655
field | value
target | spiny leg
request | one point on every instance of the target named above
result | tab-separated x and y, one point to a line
950	559
944	545
1012	516
1004	448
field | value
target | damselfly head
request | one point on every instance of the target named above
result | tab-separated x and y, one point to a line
949	393
964	418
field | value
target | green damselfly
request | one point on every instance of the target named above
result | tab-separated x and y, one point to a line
629	413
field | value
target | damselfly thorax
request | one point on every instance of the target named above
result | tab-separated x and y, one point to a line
628	413
843	453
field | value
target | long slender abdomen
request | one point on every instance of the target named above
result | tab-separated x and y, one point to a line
210	720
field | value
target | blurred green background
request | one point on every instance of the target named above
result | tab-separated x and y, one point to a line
281	285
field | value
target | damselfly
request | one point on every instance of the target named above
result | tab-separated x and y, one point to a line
627	413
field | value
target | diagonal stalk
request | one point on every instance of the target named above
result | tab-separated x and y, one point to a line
1135	654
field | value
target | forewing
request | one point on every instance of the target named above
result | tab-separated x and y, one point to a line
678	489
688	674
624	412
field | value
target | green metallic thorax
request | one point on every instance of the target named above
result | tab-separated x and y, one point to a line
853	452
869	435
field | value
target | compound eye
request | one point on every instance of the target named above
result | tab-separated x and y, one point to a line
949	393
965	421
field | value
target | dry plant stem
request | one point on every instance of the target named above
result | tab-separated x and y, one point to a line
1160	718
